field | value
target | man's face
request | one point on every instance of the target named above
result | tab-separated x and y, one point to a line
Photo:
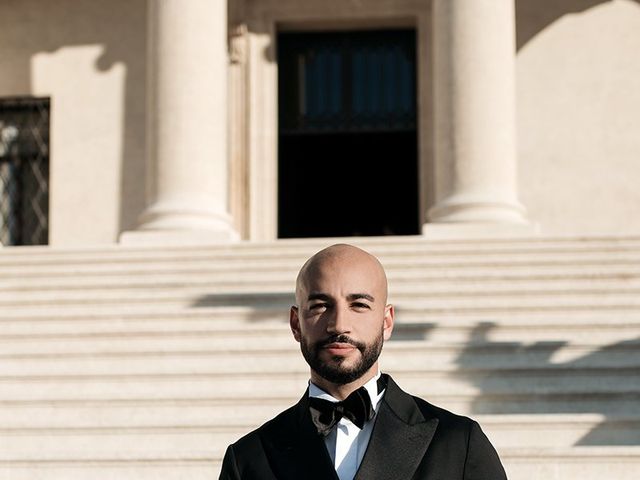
342	319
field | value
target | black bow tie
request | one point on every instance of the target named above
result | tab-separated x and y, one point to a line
356	407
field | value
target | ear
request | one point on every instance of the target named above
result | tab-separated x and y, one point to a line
294	322
387	322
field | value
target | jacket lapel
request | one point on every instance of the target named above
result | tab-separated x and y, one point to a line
400	438
299	452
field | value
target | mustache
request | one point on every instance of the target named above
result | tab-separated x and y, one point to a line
340	339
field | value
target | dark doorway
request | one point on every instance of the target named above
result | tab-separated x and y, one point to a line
348	161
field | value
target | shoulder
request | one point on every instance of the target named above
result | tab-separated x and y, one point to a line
464	435
449	423
248	457
270	432
415	410
445	417
461	437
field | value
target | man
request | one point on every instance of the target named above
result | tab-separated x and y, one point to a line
353	422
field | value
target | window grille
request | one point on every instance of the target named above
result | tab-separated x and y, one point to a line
24	171
347	81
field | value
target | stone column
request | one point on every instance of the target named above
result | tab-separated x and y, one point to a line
474	96
187	124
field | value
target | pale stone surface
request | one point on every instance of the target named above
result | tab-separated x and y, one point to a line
116	361
474	91
578	104
85	144
487	229
238	121
85	56
576	101
182	231
262	134
187	149
563	464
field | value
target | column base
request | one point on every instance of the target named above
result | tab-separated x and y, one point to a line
181	223
477	208
177	237
478	216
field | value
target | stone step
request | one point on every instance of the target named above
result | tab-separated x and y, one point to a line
42	415
235	267
40	289
111	443
618	404
408	287
153	468
285	257
560	430
100	443
245	328
200	355
424	281
134	362
479	301
504	430
258	309
537	241
397	262
584	463
380	243
607	384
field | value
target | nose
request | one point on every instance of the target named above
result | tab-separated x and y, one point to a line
340	321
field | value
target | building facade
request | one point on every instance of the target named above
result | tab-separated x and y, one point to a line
167	118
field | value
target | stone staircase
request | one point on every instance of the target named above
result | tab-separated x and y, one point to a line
144	363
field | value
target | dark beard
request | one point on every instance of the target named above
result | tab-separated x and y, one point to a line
333	371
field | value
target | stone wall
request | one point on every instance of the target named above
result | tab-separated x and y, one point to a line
89	57
578	114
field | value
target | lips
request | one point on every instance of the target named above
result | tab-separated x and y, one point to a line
339	348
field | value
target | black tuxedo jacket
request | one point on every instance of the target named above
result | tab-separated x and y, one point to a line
411	439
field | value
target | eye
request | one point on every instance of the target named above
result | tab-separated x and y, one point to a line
318	307
361	306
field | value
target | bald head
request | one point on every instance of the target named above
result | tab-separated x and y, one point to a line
341	317
339	257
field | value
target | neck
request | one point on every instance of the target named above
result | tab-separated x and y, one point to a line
342	391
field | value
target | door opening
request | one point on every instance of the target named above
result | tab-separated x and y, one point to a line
347	159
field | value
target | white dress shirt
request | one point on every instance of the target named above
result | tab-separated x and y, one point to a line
346	443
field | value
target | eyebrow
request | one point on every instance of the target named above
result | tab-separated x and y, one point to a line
357	296
318	296
351	297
